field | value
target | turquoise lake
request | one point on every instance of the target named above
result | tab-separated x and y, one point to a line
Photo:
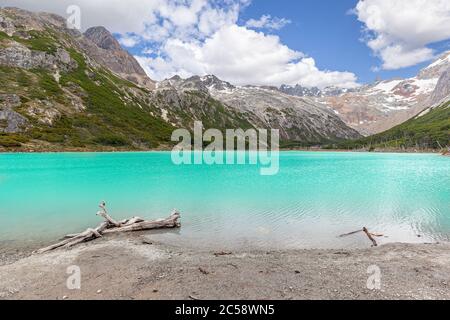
315	197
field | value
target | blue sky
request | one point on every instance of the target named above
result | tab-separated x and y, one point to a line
327	31
321	43
336	35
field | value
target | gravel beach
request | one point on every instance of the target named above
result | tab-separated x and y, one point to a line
135	267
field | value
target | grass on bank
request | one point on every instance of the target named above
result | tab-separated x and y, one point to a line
429	131
109	120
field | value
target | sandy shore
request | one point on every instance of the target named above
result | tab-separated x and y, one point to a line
134	267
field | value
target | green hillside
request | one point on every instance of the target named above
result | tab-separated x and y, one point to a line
429	131
106	121
90	108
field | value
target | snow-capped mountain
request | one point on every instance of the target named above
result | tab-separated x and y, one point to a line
300	91
368	109
436	69
380	106
299	119
204	84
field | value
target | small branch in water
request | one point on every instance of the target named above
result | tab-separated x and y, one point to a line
369	235
366	231
350	233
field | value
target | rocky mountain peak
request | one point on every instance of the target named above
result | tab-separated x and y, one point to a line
16	21
103	38
436	69
442	90
204	84
101	45
379	106
212	82
52	39
298	119
176	78
301	91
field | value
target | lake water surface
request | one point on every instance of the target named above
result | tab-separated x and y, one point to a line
314	198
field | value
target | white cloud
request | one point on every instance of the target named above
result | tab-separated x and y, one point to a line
397	56
135	16
190	37
399	31
267	22
242	56
117	15
213	19
128	40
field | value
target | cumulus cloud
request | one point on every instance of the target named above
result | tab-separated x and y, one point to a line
399	31
152	19
242	56
267	22
117	15
128	41
198	37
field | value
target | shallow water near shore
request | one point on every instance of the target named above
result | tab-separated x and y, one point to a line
315	197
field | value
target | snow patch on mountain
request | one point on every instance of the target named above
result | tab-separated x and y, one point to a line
379	106
443	60
386	86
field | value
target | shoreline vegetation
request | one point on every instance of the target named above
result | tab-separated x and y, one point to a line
428	132
167	149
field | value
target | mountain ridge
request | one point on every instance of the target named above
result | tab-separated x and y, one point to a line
65	90
298	119
111	55
428	129
376	107
371	108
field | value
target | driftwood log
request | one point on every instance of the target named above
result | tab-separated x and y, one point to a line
368	234
112	226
